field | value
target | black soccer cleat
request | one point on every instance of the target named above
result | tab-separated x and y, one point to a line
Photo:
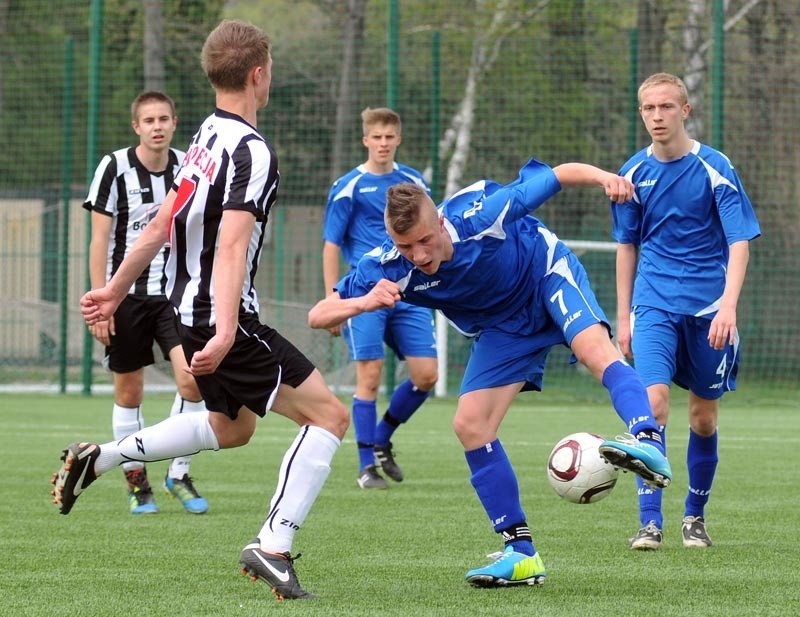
275	569
75	474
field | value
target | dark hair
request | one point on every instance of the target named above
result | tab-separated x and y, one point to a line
403	206
148	97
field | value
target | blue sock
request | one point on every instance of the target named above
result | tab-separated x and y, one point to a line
650	498
701	460
364	415
629	398
495	482
406	399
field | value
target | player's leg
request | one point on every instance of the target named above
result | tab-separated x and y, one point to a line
364	337
131	349
177	481
411	334
572	305
305	398
708	374
478	417
498	358
655	345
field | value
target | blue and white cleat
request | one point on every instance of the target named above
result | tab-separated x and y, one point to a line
509	568
183	489
643	459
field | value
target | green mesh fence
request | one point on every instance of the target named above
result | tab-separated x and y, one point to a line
481	87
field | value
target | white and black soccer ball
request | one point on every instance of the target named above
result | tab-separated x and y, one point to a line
576	470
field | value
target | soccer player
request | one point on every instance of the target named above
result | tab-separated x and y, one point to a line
215	217
353	226
126	191
500	276
683	251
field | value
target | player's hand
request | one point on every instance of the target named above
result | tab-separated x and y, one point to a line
723	329
98	305
206	361
385	294
103	331
335	330
624	340
617	188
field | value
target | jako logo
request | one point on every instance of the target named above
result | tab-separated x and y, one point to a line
645	183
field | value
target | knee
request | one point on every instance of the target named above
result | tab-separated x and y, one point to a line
426	382
337	418
231	434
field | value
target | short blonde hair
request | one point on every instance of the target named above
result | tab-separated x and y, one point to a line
380	115
658	79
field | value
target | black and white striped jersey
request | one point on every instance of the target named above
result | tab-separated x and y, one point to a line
228	166
124	189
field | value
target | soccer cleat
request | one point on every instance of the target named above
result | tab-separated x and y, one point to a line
369	477
509	568
648	538
643	459
140	493
184	490
74	475
275	569
385	458
694	532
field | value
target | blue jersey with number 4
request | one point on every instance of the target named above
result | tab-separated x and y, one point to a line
500	253
683	216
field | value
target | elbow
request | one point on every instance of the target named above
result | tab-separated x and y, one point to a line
315	319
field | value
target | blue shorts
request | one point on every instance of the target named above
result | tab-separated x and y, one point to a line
408	330
565	306
668	347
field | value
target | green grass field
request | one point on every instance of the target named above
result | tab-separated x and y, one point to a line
403	551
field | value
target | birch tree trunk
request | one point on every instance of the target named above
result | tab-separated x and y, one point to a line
154	45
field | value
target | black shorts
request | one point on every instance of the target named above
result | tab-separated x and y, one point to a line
139	322
259	361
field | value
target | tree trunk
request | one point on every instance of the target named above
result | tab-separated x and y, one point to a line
353	41
154	45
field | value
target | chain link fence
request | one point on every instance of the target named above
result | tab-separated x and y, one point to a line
479	90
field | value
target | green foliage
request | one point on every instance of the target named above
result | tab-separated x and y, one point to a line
403	551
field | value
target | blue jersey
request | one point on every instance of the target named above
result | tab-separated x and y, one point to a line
683	216
354	213
500	254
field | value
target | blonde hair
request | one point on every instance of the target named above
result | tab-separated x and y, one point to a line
379	115
403	206
231	50
658	79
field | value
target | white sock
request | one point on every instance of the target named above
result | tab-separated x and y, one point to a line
179	466
125	421
179	435
303	471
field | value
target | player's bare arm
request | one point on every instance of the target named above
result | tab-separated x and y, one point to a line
229	271
617	188
98	260
627	256
99	304
723	326
334	310
330	274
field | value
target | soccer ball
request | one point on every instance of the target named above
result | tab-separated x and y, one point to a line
576	470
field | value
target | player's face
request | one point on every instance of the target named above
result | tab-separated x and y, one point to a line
155	125
663	112
427	244
381	142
